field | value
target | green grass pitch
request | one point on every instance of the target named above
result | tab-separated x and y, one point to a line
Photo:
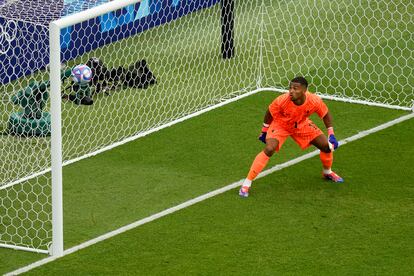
293	223
301	212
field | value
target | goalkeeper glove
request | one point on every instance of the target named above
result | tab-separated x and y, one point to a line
262	136
332	138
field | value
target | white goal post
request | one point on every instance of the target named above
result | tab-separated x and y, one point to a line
55	28
201	55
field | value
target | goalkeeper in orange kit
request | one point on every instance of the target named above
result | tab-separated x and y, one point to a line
288	116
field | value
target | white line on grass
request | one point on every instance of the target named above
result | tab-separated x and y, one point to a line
204	197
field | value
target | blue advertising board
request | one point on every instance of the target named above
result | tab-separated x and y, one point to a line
24	42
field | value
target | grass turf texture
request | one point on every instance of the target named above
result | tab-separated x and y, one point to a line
153	173
189	65
191	75
293	223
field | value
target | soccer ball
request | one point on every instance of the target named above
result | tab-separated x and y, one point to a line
81	73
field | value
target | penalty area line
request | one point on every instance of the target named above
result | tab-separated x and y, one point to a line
204	197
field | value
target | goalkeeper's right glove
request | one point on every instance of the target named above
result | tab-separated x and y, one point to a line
332	139
262	136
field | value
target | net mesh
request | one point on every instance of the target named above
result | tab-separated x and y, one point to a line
153	64
42	12
361	50
158	61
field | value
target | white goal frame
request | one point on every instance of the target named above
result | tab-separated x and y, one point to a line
55	27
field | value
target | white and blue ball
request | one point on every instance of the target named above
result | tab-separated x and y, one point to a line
81	73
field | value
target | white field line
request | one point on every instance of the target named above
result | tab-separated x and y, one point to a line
132	138
204	197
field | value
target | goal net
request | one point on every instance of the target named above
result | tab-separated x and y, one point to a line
155	62
359	51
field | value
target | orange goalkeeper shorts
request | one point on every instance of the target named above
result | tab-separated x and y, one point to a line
303	136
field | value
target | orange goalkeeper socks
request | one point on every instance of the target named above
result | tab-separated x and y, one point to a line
258	165
327	160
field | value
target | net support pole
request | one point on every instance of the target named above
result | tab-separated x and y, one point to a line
56	141
227	28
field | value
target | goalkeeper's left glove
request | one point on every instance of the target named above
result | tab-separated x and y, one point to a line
332	138
262	136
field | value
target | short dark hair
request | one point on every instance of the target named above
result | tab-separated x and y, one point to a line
300	80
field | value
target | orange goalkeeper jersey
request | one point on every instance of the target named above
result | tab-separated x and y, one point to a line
289	116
